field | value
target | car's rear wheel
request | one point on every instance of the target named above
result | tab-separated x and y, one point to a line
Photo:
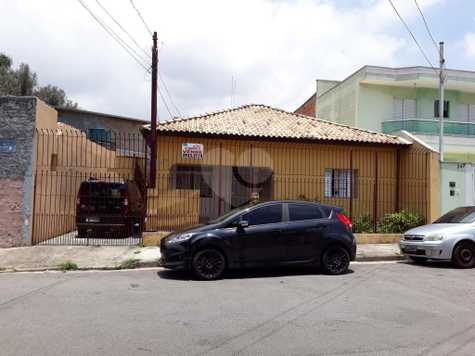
336	260
208	264
416	259
464	255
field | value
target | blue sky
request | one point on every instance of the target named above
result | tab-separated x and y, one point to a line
274	49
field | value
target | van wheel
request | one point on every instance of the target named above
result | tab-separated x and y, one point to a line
464	255
336	260
208	264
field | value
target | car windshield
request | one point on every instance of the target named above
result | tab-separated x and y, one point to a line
230	213
463	215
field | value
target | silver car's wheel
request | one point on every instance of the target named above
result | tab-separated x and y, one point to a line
464	255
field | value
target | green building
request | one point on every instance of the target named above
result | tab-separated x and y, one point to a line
404	101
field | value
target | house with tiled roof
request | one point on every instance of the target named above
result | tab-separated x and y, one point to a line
391	100
211	163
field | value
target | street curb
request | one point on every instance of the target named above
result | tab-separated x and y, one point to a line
379	258
150	264
139	265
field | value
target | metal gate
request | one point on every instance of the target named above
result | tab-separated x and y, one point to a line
89	189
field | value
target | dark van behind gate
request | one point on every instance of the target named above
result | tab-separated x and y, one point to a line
109	209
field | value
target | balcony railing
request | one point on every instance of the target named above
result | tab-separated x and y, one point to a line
430	126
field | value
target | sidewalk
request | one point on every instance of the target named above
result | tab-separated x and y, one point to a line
39	258
378	252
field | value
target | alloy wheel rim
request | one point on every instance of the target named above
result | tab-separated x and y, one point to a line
210	264
337	261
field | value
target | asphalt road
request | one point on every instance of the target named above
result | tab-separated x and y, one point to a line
379	309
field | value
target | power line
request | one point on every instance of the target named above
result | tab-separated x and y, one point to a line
117	38
427	26
140	15
168	93
164	102
412	35
138	58
124	30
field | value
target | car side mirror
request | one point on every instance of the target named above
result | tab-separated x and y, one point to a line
243	224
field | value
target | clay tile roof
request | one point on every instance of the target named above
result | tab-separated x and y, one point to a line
267	122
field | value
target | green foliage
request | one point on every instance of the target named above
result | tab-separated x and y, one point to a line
23	82
399	222
68	266
363	223
54	96
129	263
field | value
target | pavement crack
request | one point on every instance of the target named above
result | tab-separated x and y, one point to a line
34	291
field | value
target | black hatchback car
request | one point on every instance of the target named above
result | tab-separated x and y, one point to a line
265	234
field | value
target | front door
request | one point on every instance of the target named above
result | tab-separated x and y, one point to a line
262	241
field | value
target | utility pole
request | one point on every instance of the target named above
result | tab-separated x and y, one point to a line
441	100
153	119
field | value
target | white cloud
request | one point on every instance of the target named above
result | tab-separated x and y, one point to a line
469	45
274	49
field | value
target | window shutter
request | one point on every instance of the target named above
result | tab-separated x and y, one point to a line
409	109
397	108
472	113
464	112
328	183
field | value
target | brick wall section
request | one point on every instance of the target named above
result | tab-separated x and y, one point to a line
17	124
11	213
308	108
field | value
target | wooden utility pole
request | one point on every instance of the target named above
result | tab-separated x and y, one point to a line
153	119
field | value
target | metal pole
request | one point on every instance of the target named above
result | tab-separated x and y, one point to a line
153	126
441	100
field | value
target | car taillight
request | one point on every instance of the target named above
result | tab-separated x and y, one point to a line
344	219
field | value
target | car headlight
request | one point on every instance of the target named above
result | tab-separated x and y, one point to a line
434	237
179	238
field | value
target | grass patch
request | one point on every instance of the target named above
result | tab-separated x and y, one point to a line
129	263
68	266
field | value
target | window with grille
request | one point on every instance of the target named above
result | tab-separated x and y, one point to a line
446	108
340	183
193	177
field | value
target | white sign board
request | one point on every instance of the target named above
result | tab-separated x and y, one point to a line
192	150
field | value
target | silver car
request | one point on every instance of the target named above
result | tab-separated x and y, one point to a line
449	238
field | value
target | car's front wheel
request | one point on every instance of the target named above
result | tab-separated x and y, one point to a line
208	264
464	255
336	260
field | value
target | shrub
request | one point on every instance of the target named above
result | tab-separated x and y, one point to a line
399	222
129	263
68	266
363	223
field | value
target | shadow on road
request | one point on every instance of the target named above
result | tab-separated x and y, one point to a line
430	264
249	273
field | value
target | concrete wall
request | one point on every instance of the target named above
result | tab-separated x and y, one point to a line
340	103
455	173
83	120
19	117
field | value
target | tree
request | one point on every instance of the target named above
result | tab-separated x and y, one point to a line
23	82
54	96
26	80
8	81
